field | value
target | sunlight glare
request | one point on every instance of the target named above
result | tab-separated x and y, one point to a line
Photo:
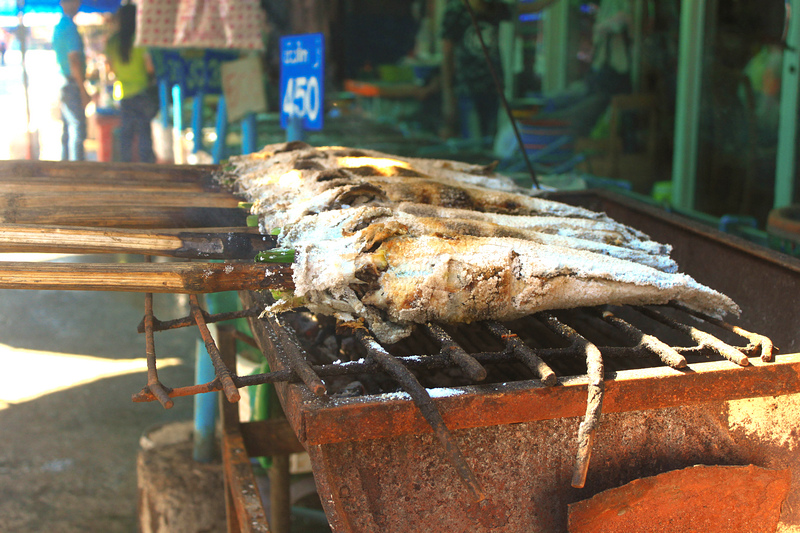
31	374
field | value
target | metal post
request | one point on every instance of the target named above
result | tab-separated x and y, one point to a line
163	100
787	125
205	408
687	108
249	133
636	48
197	121
177	123
556	47
22	36
294	129
222	130
280	494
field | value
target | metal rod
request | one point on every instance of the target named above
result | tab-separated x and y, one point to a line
188	320
594	402
700	337
500	93
761	345
468	364
524	353
423	401
664	352
153	384
222	371
299	365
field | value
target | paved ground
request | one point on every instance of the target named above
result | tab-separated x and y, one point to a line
70	362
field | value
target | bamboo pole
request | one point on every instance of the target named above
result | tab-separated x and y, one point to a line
78	170
111	216
214	243
22	185
35	198
186	278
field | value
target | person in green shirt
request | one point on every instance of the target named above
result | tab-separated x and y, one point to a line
133	70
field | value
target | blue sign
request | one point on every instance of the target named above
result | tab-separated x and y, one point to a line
302	79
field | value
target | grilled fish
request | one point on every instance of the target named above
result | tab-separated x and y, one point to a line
395	270
292	180
397	241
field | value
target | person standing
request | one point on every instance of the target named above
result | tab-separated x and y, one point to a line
68	46
584	103
133	69
467	83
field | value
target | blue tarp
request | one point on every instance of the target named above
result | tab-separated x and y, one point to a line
9	7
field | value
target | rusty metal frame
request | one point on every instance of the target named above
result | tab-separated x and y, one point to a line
328	423
242	498
296	367
240	441
318	420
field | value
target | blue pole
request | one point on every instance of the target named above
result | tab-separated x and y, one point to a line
249	133
205	408
163	101
294	129
197	121
222	130
177	120
177	108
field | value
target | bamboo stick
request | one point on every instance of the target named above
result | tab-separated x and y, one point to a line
37	199
214	243
78	170
187	278
127	217
21	185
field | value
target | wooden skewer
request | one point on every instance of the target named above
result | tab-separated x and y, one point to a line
38	199
127	217
74	171
23	185
213	243
186	278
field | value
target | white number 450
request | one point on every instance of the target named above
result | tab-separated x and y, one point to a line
302	97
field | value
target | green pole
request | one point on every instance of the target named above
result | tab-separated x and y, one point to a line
687	106
787	124
556	47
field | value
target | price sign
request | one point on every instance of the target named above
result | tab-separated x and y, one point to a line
302	79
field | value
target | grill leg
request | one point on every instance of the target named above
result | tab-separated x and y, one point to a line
243	501
279	495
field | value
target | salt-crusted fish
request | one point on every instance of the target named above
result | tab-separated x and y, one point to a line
393	271
291	180
291	173
397	241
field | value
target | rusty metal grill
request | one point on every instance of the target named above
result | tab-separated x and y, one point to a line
544	347
531	374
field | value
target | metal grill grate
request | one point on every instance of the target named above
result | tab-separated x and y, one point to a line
545	347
